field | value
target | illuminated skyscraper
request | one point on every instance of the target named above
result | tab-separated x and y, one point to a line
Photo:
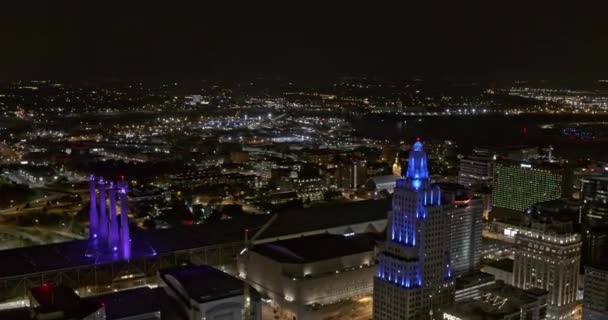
414	278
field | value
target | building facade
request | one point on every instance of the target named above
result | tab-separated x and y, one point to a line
465	223
476	171
517	186
594	193
595	302
351	173
301	273
551	262
414	279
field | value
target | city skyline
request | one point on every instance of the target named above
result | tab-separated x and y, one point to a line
257	161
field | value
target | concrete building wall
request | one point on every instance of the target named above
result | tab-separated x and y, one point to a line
294	287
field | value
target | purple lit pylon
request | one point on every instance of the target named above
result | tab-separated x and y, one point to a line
93	216
125	240
103	215
113	232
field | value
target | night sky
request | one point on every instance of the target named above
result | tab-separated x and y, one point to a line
313	41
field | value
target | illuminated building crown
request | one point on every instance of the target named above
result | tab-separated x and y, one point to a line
417	170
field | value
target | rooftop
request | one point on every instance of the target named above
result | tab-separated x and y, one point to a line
315	248
205	283
16	314
66	255
53	298
503	264
380	180
129	303
497	301
472	279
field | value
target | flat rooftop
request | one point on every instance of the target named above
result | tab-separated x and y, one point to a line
497	301
204	283
316	247
16	314
67	255
53	298
472	279
129	303
476	310
502	264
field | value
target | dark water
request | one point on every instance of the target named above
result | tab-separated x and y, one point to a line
494	130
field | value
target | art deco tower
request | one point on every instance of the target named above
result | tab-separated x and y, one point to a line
414	278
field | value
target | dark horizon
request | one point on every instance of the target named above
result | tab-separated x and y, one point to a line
311	43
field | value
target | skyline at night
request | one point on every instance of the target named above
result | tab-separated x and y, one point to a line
313	161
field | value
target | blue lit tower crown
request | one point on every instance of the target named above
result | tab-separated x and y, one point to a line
413	264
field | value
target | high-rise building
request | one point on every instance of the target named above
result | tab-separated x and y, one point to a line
414	279
477	169
594	193
549	258
465	224
595	301
351	173
517	186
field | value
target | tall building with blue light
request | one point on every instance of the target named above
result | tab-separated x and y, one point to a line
414	278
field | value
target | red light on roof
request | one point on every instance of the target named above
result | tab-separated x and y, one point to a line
417	138
122	177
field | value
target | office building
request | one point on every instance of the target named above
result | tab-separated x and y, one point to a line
594	193
547	256
517	186
414	279
501	301
351	173
465	223
594	218
595	301
476	170
301	273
